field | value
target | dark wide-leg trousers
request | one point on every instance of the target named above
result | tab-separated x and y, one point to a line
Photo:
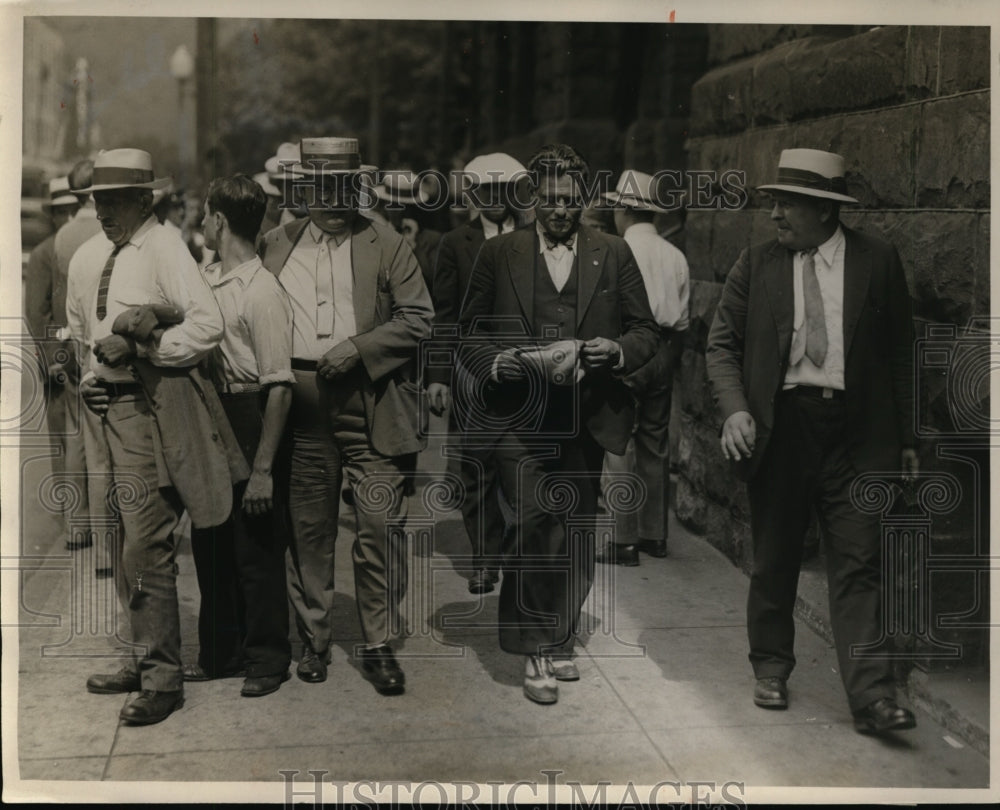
243	617
807	465
548	564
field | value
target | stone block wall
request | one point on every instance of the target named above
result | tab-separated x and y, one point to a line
909	109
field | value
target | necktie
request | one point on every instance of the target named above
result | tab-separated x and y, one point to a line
324	290
811	339
102	287
499	229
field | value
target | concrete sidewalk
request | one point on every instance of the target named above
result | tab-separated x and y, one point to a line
665	689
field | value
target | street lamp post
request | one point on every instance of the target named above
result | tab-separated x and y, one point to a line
182	69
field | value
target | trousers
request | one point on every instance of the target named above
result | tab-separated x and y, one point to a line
243	615
330	441
806	465
147	575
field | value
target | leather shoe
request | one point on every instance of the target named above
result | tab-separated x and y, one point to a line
379	666
260	685
312	667
124	680
151	707
883	715
196	672
483	580
540	680
654	548
771	693
77	545
565	669
616	554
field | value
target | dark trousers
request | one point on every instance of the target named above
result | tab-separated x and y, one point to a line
806	465
549	562
330	440
475	464
243	617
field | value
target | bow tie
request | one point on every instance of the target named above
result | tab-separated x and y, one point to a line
551	243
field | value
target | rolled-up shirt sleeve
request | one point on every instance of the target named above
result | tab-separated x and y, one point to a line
181	284
268	317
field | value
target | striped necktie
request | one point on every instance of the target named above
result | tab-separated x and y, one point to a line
102	288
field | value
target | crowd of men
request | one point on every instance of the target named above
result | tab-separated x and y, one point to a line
258	391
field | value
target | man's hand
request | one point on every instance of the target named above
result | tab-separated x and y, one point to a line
339	360
910	462
114	350
94	396
739	433
509	367
257	496
439	396
600	353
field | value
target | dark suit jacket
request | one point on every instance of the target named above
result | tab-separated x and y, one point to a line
456	256
749	342
393	312
611	303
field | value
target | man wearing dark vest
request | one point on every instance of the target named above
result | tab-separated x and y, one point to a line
554	316
810	357
359	310
489	179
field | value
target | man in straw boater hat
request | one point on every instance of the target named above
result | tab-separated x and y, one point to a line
359	309
665	274
810	361
167	445
487	183
554	316
45	311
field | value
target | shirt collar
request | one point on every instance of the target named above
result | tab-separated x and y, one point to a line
318	235
828	250
542	246
242	273
490	228
140	235
641	227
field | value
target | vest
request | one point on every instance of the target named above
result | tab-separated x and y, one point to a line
554	308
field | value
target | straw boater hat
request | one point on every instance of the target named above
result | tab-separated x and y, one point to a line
496	167
124	168
401	186
265	183
636	190
278	166
59	193
330	156
811	172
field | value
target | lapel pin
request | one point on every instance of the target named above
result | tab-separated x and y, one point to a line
595	261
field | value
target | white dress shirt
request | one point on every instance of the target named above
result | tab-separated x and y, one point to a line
558	259
318	277
153	267
257	344
829	261
664	272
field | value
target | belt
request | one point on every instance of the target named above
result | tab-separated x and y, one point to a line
121	389
241	388
816	392
303	365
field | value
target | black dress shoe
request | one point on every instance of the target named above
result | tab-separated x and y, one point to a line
124	680
76	545
883	715
483	580
260	685
379	666
654	548
771	693
615	554
312	667
151	707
